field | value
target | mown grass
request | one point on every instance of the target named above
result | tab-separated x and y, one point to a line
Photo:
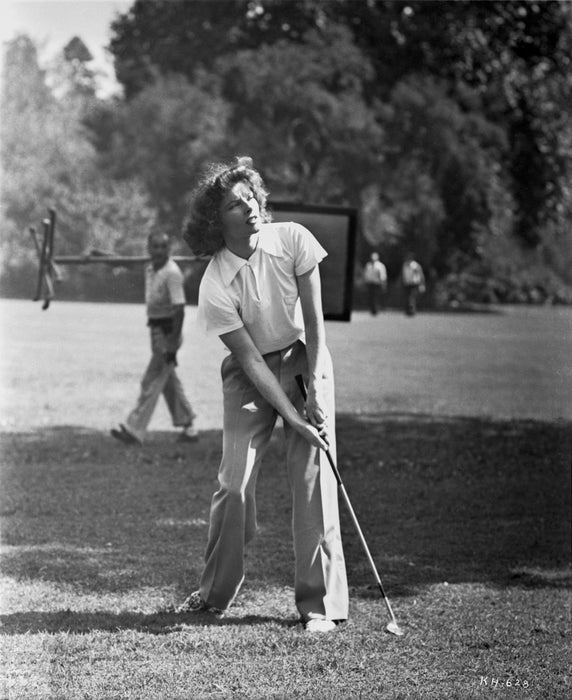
468	520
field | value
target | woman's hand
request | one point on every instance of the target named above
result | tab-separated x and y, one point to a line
242	347
311	434
316	407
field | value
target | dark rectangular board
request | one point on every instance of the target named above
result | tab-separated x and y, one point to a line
335	228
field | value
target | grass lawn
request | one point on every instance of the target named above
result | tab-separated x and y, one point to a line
455	450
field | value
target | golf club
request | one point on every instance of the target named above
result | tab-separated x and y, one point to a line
392	627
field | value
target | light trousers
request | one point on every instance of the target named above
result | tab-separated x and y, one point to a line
159	378
320	575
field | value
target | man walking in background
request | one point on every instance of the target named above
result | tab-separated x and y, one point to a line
413	281
375	277
165	300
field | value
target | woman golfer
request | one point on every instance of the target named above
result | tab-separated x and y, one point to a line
261	294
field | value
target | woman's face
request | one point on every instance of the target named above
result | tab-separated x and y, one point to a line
240	214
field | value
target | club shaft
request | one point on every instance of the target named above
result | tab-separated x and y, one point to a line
366	549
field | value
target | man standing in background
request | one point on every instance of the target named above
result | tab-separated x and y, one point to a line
413	281
165	300
375	277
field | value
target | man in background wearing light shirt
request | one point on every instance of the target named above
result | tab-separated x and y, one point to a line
375	277
413	281
165	300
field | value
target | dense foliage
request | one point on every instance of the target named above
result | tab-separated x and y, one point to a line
49	161
446	123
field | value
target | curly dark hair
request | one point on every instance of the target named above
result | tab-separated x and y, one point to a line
203	229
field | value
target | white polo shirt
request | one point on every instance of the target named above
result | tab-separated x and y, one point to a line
163	289
260	293
411	273
375	272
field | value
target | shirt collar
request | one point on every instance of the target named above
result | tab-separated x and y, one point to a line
230	264
153	271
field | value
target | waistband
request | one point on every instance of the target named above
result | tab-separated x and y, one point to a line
283	351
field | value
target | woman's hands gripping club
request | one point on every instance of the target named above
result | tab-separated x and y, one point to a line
317	426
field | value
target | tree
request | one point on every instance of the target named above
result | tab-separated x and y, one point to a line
301	112
512	58
487	87
173	37
23	81
81	79
51	163
161	138
182	36
439	180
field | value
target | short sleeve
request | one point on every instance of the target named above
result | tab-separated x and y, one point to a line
217	313
307	252
175	286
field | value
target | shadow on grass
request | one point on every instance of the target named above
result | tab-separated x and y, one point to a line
160	623
438	499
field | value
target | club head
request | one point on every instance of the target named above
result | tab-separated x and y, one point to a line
394	628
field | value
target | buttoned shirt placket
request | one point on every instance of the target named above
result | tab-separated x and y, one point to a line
253	282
